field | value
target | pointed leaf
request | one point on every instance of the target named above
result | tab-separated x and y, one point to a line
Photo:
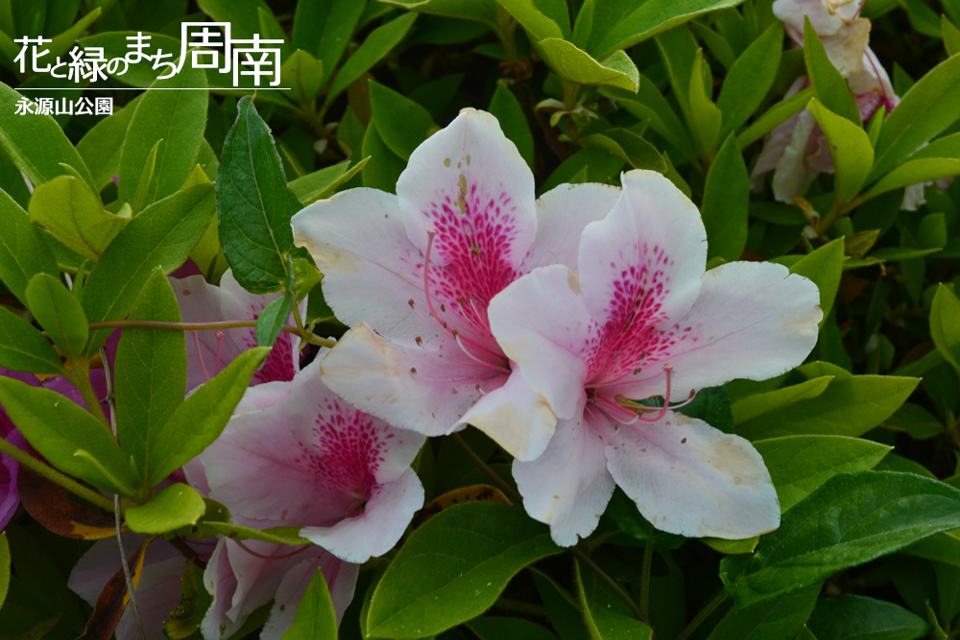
750	78
576	65
726	203
850	148
945	325
23	348
316	618
59	312
173	507
23	251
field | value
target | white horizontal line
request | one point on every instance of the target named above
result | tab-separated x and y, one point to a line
153	89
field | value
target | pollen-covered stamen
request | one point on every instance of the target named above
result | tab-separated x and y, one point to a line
203	365
219	334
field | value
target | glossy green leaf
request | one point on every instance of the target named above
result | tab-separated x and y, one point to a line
513	121
852	617
706	119
376	45
502	628
325	182
539	26
322	28
945	325
23	348
849	407
951	36
36	143
750	78
473	10
828	85
244	14
654	17
605	624
72	213
316	618
851	519
23	251
58	428
914	172
59	313
201	418
254	204
800	464
384	167
304	74
174	117
824	267
914	420
185	620
773	620
175	506
850	149
726	203
760	404
402	123
162	236
929	107
649	104
454	567
576	65
628	146
63	42
151	371
774	116
101	146
943	547
272	319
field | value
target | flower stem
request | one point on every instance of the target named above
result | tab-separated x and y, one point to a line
703	615
610	582
645	577
493	475
81	379
55	476
204	326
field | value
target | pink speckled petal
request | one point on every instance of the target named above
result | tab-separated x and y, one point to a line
693	480
568	487
378	527
562	214
468	183
427	389
824	21
542	324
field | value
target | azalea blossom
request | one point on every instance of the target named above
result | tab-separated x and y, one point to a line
210	351
295	454
414	273
641	319
796	150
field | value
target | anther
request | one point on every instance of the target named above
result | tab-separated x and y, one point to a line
219	335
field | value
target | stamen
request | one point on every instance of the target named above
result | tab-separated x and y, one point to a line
203	365
219	335
263	557
456	336
668	369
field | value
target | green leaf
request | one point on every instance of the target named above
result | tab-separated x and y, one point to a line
913	172
951	36
454	567
59	312
576	65
63	42
58	428
141	74
174	117
849	407
72	213
254	204
945	325
402	123
23	251
185	620
824	267
23	348
750	78
851	519
774	116
304	74
384	167
101	146
628	146
850	617
162	236
4	567
244	14
272	319
201	418
760	404
604	624
316	618
800	464
649	104
147	183
539	26
376	45
325	182
706	118
850	148
914	420
173	507
828	85
37	144
151	371
499	628
654	17
942	547
336	22
726	203
507	110
929	107
774	620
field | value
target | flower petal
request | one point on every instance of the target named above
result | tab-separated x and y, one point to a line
468	183
9	468
378	528
427	389
693	480
568	487
792	177
642	264
562	214
542	325
823	20
359	243
158	593
221	583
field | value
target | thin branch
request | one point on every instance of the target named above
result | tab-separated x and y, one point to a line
55	476
703	615
497	479
610	582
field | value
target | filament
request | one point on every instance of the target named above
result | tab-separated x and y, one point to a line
203	365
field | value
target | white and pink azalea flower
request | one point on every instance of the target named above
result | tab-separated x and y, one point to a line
295	454
796	150
643	319
210	351
413	273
